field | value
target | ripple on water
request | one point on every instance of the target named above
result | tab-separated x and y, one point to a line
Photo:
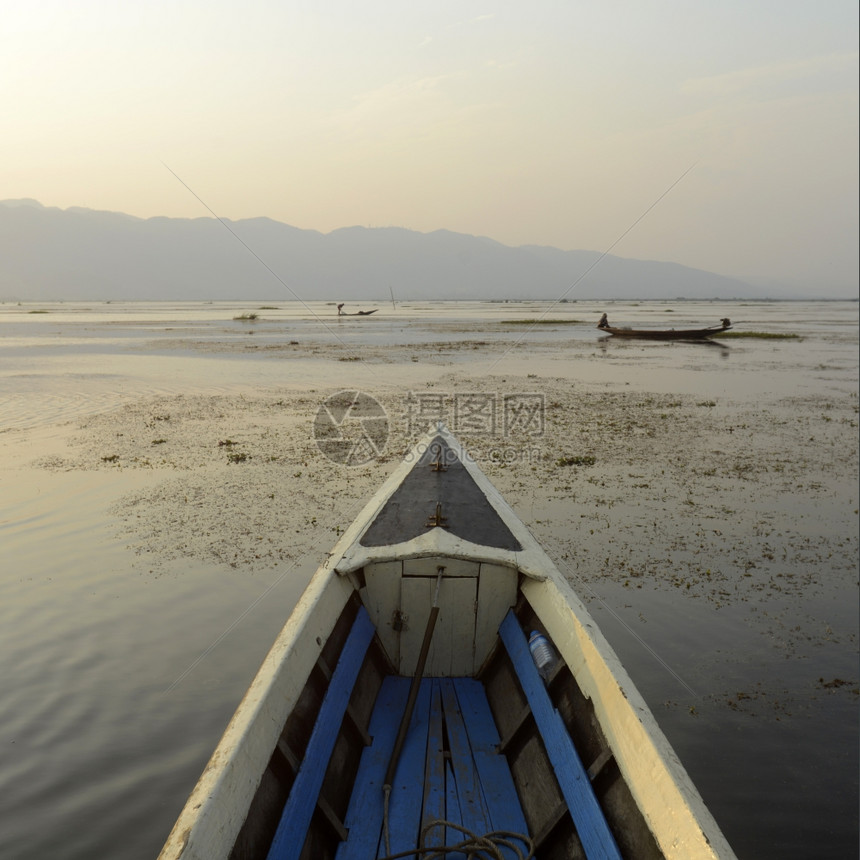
88	651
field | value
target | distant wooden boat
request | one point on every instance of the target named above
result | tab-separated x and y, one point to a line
343	313
665	334
411	701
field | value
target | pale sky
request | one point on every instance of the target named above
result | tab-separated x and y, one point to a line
550	123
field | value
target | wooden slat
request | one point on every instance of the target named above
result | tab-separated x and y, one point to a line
407	790
451	653
560	812
497	783
516	727
292	829
452	812
364	815
597	839
497	592
472	810
599	763
381	595
434	774
455	652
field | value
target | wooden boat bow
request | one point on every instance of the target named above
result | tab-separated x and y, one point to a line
479	523
576	765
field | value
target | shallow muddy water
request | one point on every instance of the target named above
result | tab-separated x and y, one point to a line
701	499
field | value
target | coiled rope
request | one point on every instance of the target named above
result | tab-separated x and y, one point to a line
486	847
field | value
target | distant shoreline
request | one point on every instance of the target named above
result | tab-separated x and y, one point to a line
382	301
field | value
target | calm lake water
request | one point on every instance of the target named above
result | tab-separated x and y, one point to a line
117	685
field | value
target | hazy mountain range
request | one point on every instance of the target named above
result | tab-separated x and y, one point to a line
82	254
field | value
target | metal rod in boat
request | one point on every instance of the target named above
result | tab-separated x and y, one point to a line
413	689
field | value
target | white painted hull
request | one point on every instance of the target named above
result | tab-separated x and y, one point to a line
480	583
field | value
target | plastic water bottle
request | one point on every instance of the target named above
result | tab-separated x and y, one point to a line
542	654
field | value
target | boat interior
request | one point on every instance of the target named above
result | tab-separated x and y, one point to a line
492	747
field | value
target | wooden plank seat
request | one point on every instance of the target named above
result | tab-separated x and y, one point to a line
449	772
293	826
573	779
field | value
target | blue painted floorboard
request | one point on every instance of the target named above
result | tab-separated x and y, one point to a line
470	784
496	781
365	813
407	789
434	773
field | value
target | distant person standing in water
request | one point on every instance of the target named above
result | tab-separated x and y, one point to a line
340	309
